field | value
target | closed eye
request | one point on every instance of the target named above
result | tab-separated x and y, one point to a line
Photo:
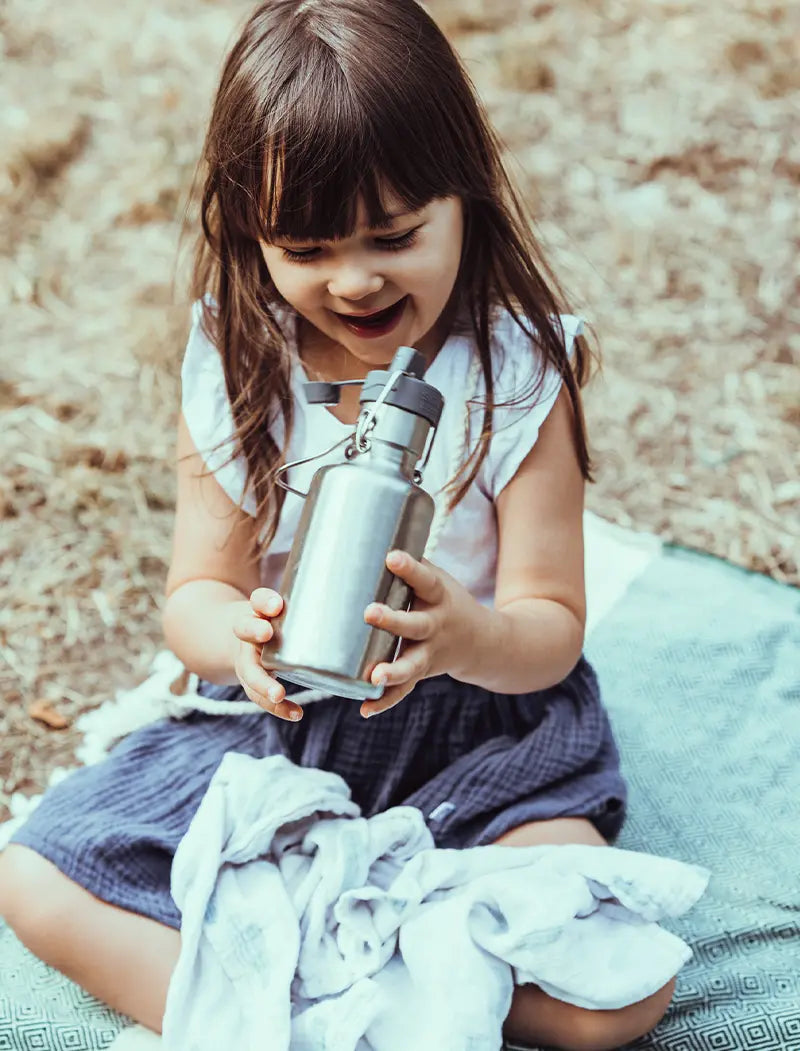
300	255
385	244
394	244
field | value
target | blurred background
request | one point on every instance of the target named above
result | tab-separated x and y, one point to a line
657	144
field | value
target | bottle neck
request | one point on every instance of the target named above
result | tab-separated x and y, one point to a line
391	458
398	439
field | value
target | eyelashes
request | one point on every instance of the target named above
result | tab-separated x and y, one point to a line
395	244
300	257
383	244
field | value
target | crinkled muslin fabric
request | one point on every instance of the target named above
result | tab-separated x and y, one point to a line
476	764
373	941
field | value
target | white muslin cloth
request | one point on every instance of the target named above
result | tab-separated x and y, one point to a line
308	927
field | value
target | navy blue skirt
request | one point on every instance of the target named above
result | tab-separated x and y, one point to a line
476	763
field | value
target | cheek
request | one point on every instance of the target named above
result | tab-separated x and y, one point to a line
291	284
432	276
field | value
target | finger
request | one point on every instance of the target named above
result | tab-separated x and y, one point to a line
413	624
412	664
264	689
266	602
288	710
253	629
390	698
283	710
422	579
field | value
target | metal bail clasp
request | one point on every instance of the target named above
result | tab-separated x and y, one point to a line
297	463
366	421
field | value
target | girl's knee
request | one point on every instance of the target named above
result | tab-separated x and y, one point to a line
607	1030
34	894
539	1019
10	882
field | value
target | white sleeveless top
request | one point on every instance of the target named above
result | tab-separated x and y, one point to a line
467	543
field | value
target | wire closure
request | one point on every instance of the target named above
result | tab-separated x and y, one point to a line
307	459
366	421
359	440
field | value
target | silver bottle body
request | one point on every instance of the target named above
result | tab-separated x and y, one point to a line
355	513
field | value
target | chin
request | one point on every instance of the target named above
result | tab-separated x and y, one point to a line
380	355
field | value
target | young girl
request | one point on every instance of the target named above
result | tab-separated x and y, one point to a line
355	201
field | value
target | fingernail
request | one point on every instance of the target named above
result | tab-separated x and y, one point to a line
295	714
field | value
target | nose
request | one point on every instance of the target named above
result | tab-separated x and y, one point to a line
354	281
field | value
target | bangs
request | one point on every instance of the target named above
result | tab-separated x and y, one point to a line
335	149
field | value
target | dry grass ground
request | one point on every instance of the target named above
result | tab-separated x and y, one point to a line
657	144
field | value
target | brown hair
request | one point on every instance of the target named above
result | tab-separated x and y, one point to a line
321	104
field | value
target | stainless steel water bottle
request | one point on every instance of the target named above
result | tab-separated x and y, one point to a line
355	513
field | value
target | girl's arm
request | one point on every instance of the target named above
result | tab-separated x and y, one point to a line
212	571
534	636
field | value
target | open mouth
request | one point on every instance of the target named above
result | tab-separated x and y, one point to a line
376	324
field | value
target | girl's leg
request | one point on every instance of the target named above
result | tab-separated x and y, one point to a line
122	958
536	1018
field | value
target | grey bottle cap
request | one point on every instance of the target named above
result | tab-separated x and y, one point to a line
411	393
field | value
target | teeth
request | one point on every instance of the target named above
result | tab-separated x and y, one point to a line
371	319
377	318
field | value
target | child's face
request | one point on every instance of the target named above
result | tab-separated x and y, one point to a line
379	288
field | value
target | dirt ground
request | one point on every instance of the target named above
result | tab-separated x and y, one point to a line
657	142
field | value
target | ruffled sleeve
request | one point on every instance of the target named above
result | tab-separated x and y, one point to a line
207	412
516	427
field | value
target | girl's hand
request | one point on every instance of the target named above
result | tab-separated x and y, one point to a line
252	629
436	631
